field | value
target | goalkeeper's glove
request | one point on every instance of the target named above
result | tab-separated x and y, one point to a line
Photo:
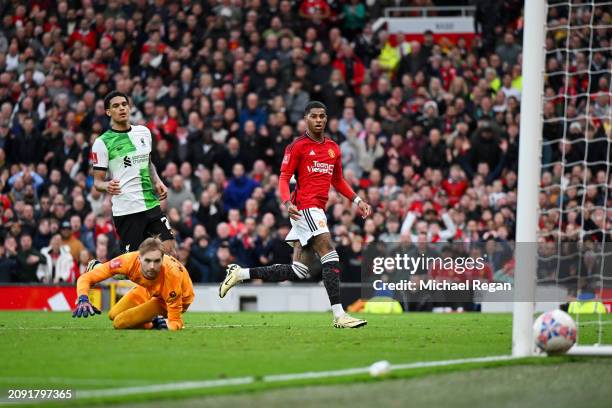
159	323
85	308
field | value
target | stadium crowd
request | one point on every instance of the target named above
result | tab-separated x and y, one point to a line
428	129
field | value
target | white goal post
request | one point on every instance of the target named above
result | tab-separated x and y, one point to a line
530	140
530	167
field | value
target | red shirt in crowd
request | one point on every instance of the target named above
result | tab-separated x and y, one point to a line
418	205
88	38
312	8
454	189
167	125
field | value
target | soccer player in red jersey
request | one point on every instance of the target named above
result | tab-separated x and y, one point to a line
316	163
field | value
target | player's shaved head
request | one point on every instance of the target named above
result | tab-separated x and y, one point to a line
314	104
316	119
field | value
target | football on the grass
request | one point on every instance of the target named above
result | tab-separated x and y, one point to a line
554	332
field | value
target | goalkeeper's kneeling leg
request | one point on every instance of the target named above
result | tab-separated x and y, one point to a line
138	317
122	321
135	297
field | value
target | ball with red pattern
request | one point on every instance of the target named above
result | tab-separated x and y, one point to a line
554	332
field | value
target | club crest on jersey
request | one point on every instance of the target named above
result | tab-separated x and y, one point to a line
318	167
331	153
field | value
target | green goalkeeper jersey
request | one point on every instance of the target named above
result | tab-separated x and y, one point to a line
126	156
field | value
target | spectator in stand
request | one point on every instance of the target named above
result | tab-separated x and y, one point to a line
8	260
252	111
59	265
455	185
222	258
351	67
28	260
296	100
354	18
239	189
178	193
316	13
232	155
70	240
434	152
508	51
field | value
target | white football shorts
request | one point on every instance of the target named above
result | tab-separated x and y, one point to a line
313	222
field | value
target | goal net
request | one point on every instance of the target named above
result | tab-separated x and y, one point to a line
574	191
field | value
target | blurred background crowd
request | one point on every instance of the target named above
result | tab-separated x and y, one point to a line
428	129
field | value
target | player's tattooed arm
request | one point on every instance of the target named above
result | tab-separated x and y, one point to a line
111	187
158	184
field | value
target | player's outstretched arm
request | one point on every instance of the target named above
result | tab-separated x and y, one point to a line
96	273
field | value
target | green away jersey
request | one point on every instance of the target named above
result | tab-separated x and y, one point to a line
126	156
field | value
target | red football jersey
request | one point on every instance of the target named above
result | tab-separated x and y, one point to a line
316	166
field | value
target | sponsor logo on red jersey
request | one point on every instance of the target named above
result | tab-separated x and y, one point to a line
318	167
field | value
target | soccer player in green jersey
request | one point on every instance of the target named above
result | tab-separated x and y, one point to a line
124	152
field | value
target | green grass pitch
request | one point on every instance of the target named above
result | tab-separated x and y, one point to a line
53	350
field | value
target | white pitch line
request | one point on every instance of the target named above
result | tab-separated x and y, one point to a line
64	380
190	385
186	385
424	364
594	323
315	374
363	370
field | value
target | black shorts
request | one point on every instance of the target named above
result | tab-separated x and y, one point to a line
135	228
